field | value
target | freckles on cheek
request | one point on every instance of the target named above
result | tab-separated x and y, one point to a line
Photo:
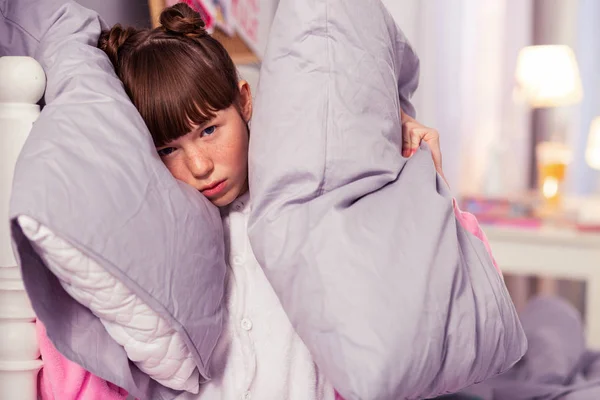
177	170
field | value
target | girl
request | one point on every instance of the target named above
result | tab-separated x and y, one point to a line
187	90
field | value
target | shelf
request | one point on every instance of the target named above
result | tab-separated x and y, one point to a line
236	47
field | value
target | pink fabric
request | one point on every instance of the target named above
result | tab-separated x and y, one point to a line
61	379
469	222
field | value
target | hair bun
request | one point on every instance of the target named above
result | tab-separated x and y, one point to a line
112	40
182	20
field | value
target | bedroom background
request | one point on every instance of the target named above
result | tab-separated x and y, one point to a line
521	151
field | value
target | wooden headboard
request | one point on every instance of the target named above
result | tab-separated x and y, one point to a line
22	84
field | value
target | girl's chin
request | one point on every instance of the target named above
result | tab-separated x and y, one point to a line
227	198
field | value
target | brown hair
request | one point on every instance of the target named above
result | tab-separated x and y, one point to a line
176	74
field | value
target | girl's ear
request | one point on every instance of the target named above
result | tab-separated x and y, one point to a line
245	100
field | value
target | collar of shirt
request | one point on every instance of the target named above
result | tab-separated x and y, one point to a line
241	204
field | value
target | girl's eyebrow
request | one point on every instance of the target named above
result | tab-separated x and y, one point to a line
207	123
170	143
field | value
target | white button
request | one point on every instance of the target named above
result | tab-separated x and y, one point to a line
246	324
238	260
247	396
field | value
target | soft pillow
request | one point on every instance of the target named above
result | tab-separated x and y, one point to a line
90	174
392	296
149	340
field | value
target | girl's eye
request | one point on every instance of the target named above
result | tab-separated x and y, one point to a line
209	131
166	151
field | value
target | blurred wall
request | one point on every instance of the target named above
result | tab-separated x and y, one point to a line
126	12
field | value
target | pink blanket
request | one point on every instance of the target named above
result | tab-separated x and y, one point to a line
469	222
61	379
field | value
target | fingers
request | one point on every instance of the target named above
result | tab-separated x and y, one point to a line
432	138
412	135
406	146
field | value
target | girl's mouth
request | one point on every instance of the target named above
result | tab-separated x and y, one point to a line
214	190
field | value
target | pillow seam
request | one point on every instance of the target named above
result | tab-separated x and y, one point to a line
321	189
19	26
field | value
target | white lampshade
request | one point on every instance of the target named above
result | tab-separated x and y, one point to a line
592	151
548	76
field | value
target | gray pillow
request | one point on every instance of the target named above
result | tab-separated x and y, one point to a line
89	172
394	299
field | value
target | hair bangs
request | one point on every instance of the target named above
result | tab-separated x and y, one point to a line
179	85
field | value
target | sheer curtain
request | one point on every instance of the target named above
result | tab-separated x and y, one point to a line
584	180
468	51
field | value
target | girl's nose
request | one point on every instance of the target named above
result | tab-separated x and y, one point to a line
200	164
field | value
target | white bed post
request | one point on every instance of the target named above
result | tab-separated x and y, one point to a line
22	84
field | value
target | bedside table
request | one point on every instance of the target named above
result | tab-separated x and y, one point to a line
558	253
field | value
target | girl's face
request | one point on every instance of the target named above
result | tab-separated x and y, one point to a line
213	158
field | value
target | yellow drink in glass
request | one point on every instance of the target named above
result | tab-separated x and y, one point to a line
552	161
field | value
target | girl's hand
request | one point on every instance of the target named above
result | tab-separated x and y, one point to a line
412	135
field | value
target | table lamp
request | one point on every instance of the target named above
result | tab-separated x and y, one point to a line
548	76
